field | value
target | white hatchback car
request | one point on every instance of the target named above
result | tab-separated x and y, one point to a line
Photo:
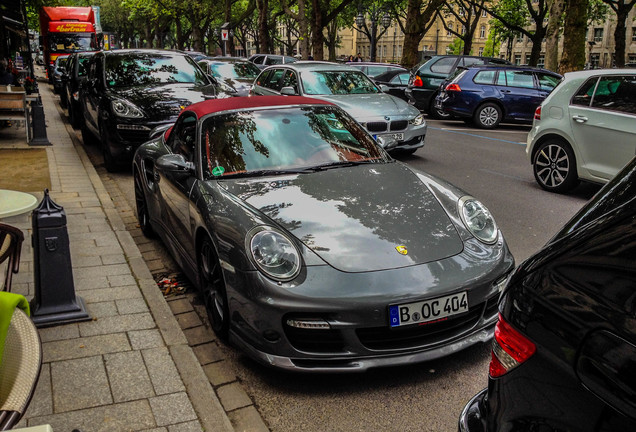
585	129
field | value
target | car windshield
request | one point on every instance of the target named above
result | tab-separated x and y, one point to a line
295	139
141	69
240	70
337	83
71	42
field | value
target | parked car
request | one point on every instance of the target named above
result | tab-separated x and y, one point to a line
264	60
129	92
488	95
373	69
313	249
427	77
237	73
58	70
380	113
396	82
565	343
585	129
75	72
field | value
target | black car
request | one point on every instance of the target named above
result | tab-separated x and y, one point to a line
264	60
130	92
57	72
396	81
564	354
488	95
75	72
236	73
427	77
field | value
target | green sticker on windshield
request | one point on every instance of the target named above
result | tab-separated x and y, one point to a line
218	171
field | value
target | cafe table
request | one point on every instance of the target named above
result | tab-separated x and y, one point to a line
13	203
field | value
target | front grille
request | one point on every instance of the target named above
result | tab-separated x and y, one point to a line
386	338
134	136
399	125
316	341
376	126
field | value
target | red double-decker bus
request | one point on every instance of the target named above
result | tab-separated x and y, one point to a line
65	30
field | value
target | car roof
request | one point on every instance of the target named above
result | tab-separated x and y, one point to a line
146	51
375	64
212	106
508	67
596	72
315	66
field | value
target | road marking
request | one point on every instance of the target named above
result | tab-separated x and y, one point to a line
479	136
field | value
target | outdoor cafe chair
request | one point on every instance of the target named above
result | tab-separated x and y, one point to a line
11	239
19	369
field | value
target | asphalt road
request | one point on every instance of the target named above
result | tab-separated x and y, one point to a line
490	165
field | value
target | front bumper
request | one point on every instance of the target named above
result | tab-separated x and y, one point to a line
472	417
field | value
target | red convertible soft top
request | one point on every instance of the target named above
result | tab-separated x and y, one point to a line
248	102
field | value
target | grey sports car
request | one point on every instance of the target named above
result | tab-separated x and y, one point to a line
313	249
380	113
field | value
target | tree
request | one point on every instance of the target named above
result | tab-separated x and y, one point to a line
418	19
555	20
574	27
622	9
467	14
322	13
300	17
377	19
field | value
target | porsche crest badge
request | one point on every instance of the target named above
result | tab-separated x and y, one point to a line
401	250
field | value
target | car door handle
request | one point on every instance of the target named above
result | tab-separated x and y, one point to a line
579	118
505	91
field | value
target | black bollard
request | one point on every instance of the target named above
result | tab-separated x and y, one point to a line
39	124
55	301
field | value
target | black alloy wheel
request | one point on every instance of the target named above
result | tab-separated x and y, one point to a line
143	216
109	161
87	136
73	118
212	288
554	166
487	116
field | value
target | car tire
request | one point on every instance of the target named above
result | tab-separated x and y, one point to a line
487	116
437	114
212	289
109	161
143	216
73	118
554	166
87	136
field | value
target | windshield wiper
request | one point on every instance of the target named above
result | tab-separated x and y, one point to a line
341	164
263	173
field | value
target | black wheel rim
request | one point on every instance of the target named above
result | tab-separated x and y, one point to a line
552	165
213	287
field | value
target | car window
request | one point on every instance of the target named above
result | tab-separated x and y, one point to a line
297	137
240	70
583	96
337	83
402	78
183	137
258	59
484	77
273	79
81	67
522	79
444	65
547	82
290	80
376	70
271	60
616	93
470	61
501	78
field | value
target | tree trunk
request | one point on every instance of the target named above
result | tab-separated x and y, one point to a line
416	21
619	36
303	28
574	36
263	30
552	34
535	52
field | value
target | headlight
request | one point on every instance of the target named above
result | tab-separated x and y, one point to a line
274	254
478	219
125	109
417	121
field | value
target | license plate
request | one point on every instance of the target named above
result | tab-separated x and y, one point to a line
428	310
396	136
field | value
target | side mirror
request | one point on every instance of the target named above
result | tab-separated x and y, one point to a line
176	164
288	91
384	88
387	142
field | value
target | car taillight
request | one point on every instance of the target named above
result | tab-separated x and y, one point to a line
417	82
453	87
509	349
537	113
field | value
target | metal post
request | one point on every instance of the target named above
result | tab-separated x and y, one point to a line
39	124
54	301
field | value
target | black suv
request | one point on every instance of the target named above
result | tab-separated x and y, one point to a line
427	77
74	74
564	353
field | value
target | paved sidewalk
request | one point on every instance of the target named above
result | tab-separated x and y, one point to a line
130	368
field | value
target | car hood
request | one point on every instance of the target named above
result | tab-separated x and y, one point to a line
166	101
357	218
367	106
